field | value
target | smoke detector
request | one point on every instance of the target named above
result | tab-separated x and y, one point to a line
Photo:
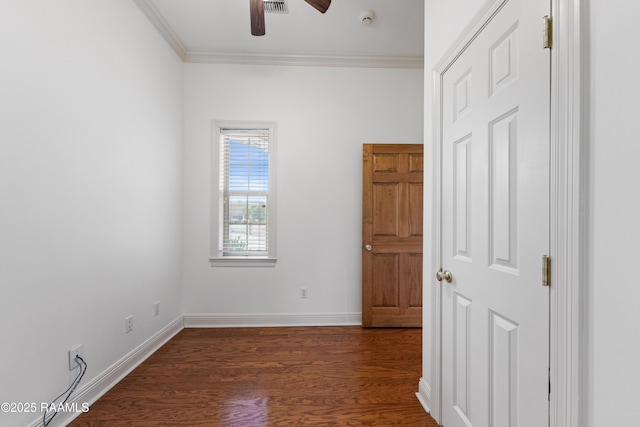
367	17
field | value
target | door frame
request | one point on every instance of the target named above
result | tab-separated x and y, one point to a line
569	239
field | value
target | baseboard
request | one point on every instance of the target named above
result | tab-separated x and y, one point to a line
271	319
424	395
93	390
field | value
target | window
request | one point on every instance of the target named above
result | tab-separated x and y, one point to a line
244	194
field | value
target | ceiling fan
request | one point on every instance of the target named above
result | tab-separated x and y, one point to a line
257	13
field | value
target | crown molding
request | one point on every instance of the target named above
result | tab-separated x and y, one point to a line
156	19
313	59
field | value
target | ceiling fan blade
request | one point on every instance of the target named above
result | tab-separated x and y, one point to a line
320	5
257	17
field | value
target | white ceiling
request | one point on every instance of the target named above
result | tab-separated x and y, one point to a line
219	31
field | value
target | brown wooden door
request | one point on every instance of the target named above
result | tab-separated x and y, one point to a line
392	235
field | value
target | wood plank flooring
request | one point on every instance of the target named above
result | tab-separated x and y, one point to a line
255	377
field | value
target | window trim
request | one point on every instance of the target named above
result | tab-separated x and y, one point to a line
216	258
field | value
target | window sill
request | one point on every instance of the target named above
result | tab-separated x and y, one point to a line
242	262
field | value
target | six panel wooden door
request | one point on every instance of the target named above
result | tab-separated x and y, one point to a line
495	224
392	235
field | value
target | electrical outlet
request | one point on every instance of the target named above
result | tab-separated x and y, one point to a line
156	308
304	293
128	324
74	351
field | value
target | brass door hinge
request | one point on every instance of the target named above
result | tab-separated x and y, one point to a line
547	32
546	270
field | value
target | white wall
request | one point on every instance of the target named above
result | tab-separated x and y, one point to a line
324	115
614	286
90	189
614	207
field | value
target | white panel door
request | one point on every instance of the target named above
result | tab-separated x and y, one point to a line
495	224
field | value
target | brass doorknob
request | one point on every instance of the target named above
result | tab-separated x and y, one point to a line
368	248
448	277
444	275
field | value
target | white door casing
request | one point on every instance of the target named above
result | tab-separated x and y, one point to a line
495	223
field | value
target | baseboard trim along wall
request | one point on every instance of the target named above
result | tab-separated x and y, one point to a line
424	394
102	383
271	319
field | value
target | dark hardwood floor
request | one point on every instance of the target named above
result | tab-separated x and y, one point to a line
254	377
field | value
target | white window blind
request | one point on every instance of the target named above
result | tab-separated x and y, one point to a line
244	192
